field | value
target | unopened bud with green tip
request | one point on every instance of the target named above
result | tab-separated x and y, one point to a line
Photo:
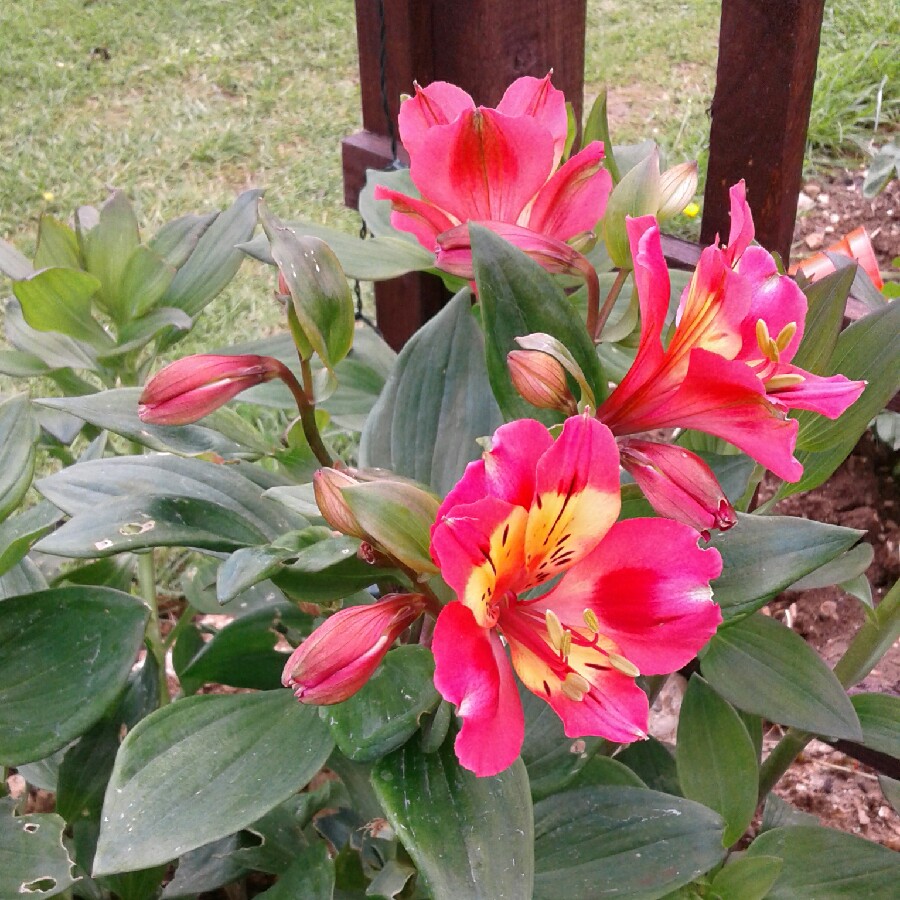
541	380
327	485
677	187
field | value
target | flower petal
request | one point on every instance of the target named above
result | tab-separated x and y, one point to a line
479	548
536	97
574	199
742	229
484	165
473	672
648	585
417	217
438	104
830	396
576	498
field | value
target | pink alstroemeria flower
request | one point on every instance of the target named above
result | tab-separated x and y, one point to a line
727	369
634	596
497	167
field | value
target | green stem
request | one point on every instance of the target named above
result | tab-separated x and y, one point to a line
608	304
304	395
152	634
868	646
184	620
746	498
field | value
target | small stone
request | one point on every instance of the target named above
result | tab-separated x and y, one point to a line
828	609
814	241
805	203
812	190
863	818
823	199
829	229
834	218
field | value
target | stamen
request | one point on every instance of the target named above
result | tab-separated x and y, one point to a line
591	620
554	629
575	686
785	335
625	666
789	379
764	339
566	646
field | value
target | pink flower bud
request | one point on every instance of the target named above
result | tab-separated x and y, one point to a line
678	484
327	484
194	386
541	380
340	656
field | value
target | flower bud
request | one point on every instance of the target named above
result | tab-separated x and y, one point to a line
855	245
340	656
677	187
541	380
327	484
194	386
678	485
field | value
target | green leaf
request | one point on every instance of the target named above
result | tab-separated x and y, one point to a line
319	291
517	298
821	862
176	240
601	770
116	411
215	259
310	876
843	568
879	716
716	759
436	403
145	280
13	264
827	299
23	578
137	333
57	245
653	763
108	247
746	878
18	439
763	667
621	842
60	300
200	769
19	532
867	350
764	555
884	167
386	712
55	350
68	652
377	213
637	194
552	759
208	867
33	860
398	516
596	128
469	837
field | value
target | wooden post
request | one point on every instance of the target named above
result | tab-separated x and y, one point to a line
760	114
480	45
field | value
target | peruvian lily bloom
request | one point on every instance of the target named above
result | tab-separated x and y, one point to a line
340	656
497	167
633	597
194	386
727	369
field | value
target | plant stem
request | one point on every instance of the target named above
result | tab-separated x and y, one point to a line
187	614
152	634
608	304
304	395
746	498
868	646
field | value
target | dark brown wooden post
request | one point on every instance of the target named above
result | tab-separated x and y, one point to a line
481	45
760	114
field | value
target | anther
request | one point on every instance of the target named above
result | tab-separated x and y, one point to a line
575	686
625	666
591	620
785	335
554	629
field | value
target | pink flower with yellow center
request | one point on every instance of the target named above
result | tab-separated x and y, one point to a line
727	369
633	597
499	167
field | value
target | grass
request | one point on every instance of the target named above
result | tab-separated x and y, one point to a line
198	100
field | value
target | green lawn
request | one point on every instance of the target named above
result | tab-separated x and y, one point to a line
201	98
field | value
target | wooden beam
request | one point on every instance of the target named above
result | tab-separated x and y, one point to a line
760	114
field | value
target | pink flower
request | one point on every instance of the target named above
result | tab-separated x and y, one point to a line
194	386
496	167
727	369
634	596
340	656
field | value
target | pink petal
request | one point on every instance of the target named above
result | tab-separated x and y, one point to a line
648	584
438	104
536	97
830	396
483	166
576	498
678	484
742	230
418	217
472	671
574	199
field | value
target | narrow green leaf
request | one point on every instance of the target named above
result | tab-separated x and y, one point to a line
145	280
879	716
469	837
596	128
311	876
18	533
137	333
202	768
746	878
18	438
176	240
821	862
13	264
33	860
57	245
436	403
763	555
652	761
54	350
67	654
716	759
208	868
843	568
60	300
621	842
517	298
603	771
637	194
763	667
827	299
23	578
